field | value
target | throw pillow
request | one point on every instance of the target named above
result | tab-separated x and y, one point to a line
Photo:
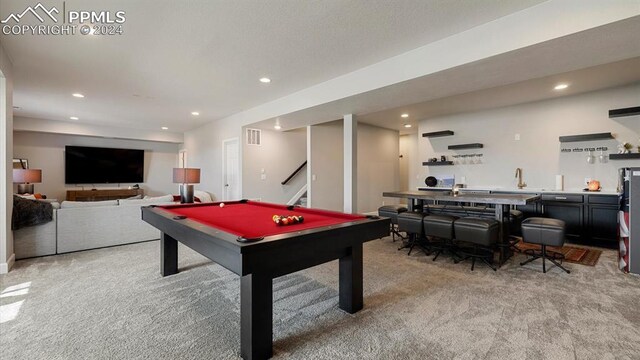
176	198
203	196
27	196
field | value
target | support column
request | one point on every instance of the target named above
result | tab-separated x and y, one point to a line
7	257
350	137
309	167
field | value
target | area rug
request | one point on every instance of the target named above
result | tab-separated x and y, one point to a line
572	254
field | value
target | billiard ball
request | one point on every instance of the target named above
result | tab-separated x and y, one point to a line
221	205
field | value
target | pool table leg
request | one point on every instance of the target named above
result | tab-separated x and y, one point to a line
256	316
351	280
168	255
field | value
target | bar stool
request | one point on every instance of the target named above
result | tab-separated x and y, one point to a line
411	223
481	235
439	227
544	232
392	211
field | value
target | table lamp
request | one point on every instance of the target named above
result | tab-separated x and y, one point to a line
25	179
186	177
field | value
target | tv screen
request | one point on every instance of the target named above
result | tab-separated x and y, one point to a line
93	165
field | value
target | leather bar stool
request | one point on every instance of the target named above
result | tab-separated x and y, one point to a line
544	232
515	221
480	235
392	211
439	230
411	223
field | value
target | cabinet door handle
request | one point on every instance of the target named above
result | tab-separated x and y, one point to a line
542	209
561	198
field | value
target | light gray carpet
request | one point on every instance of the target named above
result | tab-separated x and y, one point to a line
113	304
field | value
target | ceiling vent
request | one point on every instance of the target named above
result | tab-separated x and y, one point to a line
254	136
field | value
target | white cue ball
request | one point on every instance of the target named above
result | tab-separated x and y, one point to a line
221	204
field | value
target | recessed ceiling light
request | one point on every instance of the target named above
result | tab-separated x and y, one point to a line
74	118
407	125
265	80
561	86
164	128
277	127
405	115
78	95
195	113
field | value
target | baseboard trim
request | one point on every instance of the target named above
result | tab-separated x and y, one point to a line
6	266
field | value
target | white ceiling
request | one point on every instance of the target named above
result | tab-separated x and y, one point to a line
590	60
580	81
208	55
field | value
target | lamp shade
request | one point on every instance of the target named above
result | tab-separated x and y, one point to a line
186	176
27	176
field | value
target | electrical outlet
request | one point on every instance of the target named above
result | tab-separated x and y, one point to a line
383	203
313	177
263	177
517	137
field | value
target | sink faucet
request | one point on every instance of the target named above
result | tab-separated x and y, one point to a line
519	176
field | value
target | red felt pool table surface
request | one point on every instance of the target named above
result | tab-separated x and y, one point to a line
254	219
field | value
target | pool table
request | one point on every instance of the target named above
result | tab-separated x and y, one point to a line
242	237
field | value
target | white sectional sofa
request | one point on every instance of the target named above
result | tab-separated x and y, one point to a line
113	222
88	225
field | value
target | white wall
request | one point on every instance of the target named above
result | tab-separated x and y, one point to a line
6	154
46	152
538	152
378	166
327	152
280	153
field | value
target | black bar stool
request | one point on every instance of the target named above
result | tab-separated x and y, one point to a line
392	211
411	223
440	229
544	232
480	235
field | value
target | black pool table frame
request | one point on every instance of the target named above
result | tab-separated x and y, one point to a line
258	263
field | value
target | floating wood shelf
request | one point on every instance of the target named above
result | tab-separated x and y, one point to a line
438	133
624	156
630	111
587	137
466	146
437	163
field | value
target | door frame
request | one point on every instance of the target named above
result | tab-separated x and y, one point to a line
224	165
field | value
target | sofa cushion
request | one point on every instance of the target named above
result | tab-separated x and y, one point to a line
144	202
81	204
163	198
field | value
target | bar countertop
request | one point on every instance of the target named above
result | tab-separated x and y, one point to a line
483	198
526	190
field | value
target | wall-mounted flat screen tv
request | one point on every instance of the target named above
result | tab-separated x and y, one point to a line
94	165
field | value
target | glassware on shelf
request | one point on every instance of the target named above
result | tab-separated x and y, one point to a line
602	157
590	158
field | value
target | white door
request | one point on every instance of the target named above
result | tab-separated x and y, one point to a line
182	158
231	169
